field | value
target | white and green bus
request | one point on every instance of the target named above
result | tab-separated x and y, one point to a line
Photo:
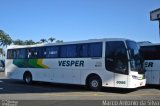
95	63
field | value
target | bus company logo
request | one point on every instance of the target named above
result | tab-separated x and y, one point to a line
77	63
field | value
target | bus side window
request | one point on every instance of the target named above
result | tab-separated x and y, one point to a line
44	53
16	53
83	50
40	52
22	53
33	53
10	54
95	50
29	53
90	50
68	51
52	52
71	51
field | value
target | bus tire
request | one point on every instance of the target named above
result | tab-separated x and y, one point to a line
27	77
94	83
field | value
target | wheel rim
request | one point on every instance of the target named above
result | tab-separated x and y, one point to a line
28	79
94	83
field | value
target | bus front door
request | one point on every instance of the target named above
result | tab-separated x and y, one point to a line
116	61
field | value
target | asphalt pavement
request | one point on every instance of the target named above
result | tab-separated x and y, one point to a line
62	93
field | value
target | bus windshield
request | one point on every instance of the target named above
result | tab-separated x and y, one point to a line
135	58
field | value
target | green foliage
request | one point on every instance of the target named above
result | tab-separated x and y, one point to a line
43	40
18	42
29	42
51	39
21	42
59	41
5	39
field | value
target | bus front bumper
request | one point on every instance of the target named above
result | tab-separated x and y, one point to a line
137	83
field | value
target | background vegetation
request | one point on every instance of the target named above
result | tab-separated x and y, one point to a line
6	40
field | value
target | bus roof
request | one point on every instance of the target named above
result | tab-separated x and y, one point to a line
150	44
65	43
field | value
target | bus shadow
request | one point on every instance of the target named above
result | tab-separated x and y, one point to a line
11	86
119	90
151	86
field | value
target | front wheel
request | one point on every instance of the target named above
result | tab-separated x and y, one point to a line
27	78
94	83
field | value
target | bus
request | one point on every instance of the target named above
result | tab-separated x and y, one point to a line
95	63
151	55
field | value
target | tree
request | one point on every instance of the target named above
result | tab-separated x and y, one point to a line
43	40
18	42
2	37
8	40
21	42
51	39
59	41
29	42
5	39
38	42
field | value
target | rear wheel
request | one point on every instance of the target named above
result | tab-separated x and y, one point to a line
27	78
94	83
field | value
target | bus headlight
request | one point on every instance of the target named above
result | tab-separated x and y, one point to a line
134	77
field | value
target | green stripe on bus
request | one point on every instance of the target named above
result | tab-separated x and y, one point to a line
28	63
